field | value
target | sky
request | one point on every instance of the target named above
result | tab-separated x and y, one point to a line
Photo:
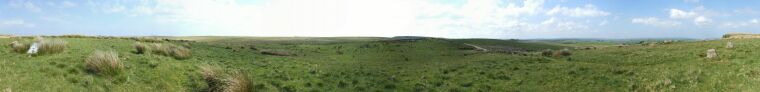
499	19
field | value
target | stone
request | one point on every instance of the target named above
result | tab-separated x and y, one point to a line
711	54
729	45
33	49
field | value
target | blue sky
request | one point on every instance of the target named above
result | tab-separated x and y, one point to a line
502	19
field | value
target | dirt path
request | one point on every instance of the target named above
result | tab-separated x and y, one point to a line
477	48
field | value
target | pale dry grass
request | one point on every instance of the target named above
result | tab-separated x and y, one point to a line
19	47
218	80
52	46
104	63
140	48
178	52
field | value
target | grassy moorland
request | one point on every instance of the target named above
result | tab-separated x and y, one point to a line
360	64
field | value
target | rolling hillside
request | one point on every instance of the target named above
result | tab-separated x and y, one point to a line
384	64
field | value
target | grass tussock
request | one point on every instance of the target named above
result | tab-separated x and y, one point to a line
19	47
546	53
148	39
562	53
74	36
52	46
217	80
104	63
178	52
140	48
44	46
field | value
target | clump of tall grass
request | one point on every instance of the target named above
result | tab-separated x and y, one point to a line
562	53
175	51
104	63
140	48
178	52
218	80
74	36
44	46
51	46
19	47
546	53
147	39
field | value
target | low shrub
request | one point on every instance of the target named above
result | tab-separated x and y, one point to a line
546	53
104	63
562	53
217	80
140	48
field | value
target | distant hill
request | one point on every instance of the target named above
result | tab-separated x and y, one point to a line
740	36
6	36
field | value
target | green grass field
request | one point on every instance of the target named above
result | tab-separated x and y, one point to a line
369	64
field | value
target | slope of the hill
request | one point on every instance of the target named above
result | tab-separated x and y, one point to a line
382	64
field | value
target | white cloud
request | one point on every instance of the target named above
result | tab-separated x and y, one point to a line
549	21
603	23
108	7
700	15
655	22
114	9
474	18
680	14
284	17
15	23
554	24
691	1
588	10
496	19
750	23
749	11
67	4
29	6
52	19
141	10
702	20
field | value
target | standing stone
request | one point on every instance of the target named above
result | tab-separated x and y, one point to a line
711	54
729	45
33	49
